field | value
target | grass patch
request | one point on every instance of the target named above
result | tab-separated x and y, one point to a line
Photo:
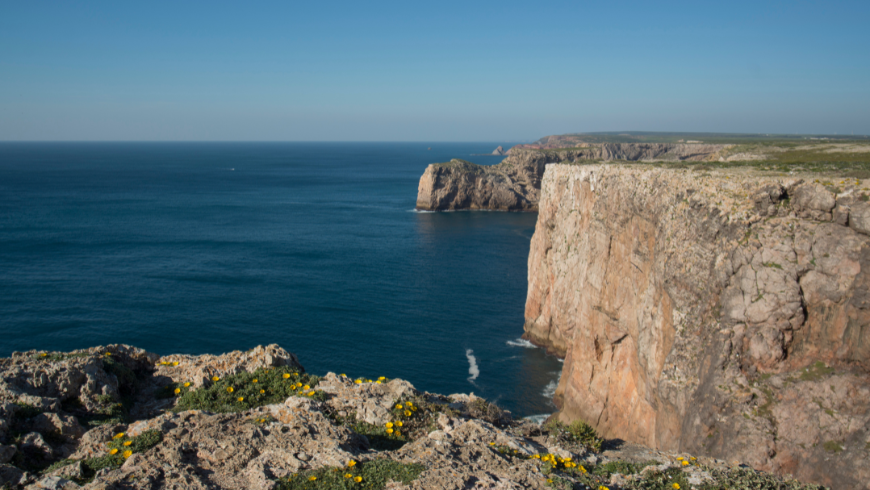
490	412
123	447
662	480
370	475
816	372
109	412
578	433
244	391
833	447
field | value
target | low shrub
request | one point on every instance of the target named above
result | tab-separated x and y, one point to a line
578	433
370	475
244	391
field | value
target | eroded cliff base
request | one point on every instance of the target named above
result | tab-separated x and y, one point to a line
117	417
723	311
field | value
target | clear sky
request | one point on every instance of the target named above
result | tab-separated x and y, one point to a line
444	71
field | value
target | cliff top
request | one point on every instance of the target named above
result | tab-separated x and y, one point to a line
571	139
120	417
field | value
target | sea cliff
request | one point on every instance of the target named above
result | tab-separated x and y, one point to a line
721	312
515	183
118	417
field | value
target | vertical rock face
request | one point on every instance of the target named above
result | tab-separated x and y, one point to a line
725	314
515	183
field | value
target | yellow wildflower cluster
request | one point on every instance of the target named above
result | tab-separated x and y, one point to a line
162	363
117	437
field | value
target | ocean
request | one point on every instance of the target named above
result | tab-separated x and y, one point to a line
211	247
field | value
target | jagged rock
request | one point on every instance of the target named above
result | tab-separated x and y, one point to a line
515	183
721	314
499	151
371	402
11	476
6	453
53	483
65	425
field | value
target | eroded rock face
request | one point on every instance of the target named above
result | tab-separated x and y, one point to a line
515	183
725	314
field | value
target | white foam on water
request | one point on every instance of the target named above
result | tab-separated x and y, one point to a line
521	343
537	419
550	389
472	365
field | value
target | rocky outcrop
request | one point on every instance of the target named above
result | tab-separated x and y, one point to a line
499	151
515	183
338	432
726	314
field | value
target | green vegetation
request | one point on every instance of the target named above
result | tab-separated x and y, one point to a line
120	448
244	391
747	479
833	447
489	412
578	433
369	475
816	372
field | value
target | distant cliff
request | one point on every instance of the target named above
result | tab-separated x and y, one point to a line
515	183
723	313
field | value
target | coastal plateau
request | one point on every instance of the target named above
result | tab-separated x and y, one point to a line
719	311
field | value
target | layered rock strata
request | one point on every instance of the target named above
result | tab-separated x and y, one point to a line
723	313
515	183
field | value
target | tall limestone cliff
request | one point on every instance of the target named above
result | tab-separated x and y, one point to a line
515	183
723	313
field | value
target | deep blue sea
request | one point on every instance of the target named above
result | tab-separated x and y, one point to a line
209	247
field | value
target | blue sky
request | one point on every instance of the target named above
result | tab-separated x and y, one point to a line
443	71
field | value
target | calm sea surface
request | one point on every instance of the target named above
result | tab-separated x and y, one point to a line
209	247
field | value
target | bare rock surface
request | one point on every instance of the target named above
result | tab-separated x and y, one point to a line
722	313
455	442
515	183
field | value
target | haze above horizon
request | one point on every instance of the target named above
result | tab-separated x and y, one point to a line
450	71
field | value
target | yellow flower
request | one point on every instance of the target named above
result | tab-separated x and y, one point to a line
310	393
348	475
113	452
582	470
175	363
306	387
549	480
602	487
389	431
299	385
241	398
293	387
187	385
685	463
359	381
693	458
262	391
399	406
413	409
407	413
286	375
119	435
492	444
377	382
399	423
127	454
534	456
680	458
108	353
381	378
215	379
255	380
676	486
312	478
351	463
343	375
389	424
44	354
358	479
230	389
127	443
177	390
409	404
398	433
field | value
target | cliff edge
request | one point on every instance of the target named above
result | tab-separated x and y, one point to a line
515	183
723	312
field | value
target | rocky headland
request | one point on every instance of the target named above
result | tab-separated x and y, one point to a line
718	311
118	417
515	183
